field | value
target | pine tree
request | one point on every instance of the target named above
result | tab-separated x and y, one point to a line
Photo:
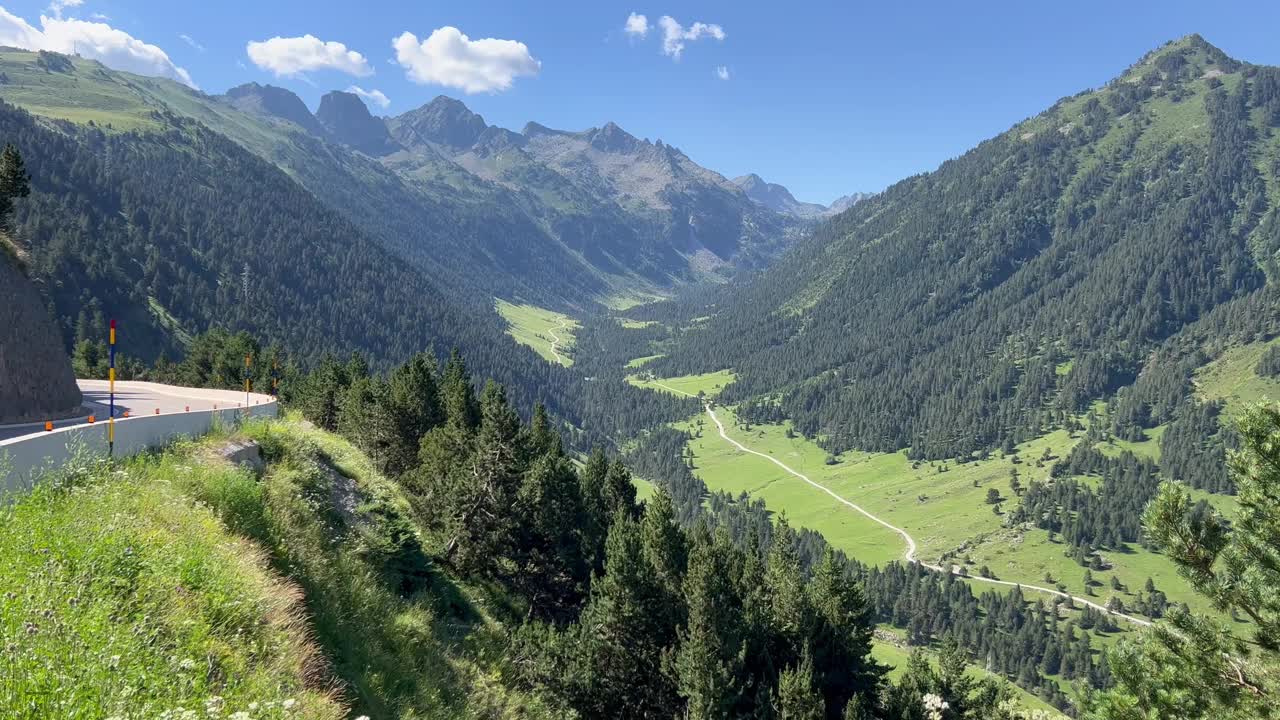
619	642
414	403
789	612
664	543
553	571
14	184
459	400
365	418
595	504
496	468
543	438
709	661
1190	666
619	491
841	637
797	697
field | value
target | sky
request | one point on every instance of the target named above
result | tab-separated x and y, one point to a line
827	98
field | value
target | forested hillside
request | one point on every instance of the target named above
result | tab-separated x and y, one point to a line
179	231
1126	234
540	221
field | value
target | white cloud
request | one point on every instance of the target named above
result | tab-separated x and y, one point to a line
675	35
188	40
57	6
722	72
101	17
637	25
291	56
99	41
452	59
377	97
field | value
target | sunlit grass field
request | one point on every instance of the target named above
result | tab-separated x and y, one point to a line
896	656
538	327
710	384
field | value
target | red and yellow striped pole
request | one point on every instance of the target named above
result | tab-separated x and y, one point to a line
248	382
111	381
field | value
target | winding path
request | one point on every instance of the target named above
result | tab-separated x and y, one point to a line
555	339
910	554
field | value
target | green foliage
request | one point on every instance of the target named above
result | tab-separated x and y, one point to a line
123	597
15	183
935	316
1191	666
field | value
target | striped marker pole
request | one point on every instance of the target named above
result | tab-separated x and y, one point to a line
111	380
275	377
248	359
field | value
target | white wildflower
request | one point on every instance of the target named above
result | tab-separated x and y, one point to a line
934	705
288	704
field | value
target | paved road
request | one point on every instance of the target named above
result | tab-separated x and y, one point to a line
140	398
910	554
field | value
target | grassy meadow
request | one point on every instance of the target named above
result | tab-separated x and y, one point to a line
710	384
537	327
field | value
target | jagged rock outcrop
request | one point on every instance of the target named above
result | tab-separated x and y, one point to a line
274	102
36	382
349	122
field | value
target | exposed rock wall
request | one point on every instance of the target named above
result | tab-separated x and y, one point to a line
36	382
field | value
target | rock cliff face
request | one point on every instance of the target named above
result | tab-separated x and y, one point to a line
36	382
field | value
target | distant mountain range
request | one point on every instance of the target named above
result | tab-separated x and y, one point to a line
563	219
780	200
611	213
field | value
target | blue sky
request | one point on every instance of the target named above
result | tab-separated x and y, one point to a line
826	98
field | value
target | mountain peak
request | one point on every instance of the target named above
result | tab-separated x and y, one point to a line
612	138
444	120
347	118
274	102
1190	56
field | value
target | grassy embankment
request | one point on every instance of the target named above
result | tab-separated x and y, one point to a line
176	581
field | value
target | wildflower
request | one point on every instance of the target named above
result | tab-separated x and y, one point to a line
213	706
934	705
114	662
187	664
288	704
363	717
241	715
253	707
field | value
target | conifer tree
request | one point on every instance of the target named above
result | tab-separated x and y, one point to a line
709	661
1191	666
789	612
14	184
797	697
553	570
414	404
841	638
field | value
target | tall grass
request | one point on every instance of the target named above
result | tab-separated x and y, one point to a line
175	586
121	597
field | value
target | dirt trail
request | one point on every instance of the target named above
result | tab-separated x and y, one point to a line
910	554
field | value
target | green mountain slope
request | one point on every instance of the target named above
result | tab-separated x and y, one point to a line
520	227
176	230
979	304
